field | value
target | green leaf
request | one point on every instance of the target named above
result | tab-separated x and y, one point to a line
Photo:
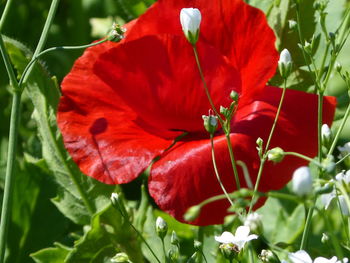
55	254
282	221
107	235
79	196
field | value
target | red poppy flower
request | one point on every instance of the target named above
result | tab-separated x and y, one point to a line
124	104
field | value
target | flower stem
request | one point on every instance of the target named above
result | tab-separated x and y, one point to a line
9	178
336	137
264	157
36	57
14	125
205	85
216	170
5	13
222	123
307	228
303	157
319	128
277	115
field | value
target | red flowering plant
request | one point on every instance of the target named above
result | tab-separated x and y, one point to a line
123	104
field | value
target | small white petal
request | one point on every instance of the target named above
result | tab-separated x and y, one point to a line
242	232
325	260
343	206
345	148
225	238
326	199
300	256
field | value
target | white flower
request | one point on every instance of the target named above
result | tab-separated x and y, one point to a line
345	149
239	239
302	181
285	57
302	256
190	19
343	177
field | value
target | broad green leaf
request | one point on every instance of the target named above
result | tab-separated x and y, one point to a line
107	235
55	254
79	195
282	222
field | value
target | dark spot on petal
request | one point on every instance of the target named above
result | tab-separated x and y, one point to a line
99	126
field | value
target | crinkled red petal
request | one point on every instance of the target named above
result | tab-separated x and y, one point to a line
184	176
102	134
238	31
158	78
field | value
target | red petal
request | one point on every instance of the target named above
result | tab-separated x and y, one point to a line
158	78
184	176
102	134
238	31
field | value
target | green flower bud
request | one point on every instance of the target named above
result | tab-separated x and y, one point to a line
234	95
275	155
174	240
192	213
325	238
210	123
230	251
117	33
173	254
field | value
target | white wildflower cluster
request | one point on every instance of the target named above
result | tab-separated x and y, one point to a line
326	199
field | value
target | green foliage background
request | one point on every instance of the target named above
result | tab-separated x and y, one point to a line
49	214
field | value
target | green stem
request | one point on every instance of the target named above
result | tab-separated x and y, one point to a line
126	217
5	13
206	86
13	134
216	170
261	168
222	123
277	115
263	159
336	137
283	196
233	162
342	159
36	57
14	126
164	251
334	239
307	228
319	128
303	157
9	178
302	41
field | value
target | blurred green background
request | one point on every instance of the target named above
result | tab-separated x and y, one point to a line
36	222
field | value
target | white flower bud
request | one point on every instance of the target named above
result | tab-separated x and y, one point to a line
302	181
161	227
190	19
285	63
326	131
